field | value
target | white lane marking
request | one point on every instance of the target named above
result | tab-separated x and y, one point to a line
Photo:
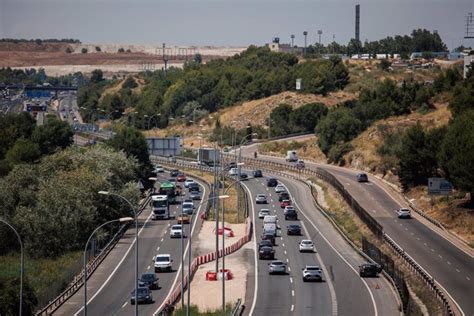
289	269
292	307
425	244
196	219
432	250
449	263
287	260
440	256
285	252
255	291
467	278
281	238
283	244
124	304
417	238
292	292
148	268
162	239
157	248
457	270
291	280
116	267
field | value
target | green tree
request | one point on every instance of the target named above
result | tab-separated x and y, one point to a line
384	65
457	151
306	117
97	76
463	95
23	151
279	120
84	50
129	83
12	127
198	58
134	144
339	125
9	297
53	135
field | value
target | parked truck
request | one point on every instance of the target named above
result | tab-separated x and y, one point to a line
209	156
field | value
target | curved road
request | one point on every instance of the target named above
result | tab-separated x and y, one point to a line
342	293
447	263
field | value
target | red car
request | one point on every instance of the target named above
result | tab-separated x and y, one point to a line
181	178
285	203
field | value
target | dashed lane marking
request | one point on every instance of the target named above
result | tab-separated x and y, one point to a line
289	269
124	304
292	292
457	270
292	307
291	280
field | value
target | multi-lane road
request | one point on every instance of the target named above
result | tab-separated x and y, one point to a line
110	289
342	293
449	263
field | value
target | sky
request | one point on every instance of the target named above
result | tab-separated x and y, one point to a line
229	22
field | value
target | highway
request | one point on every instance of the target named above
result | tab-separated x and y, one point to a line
451	266
342	293
113	297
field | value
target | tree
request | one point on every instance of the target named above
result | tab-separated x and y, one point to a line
98	49
198	58
129	83
279	120
457	151
69	50
339	125
97	76
84	50
354	47
9	296
306	117
121	50
133	143
418	155
12	127
463	95
384	65
53	135
23	151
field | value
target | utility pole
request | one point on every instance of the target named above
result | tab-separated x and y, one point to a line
216	206
305	33
165	59
292	40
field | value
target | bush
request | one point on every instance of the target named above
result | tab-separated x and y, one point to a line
337	151
84	50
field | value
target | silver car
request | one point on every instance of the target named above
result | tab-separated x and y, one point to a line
261	199
277	266
312	273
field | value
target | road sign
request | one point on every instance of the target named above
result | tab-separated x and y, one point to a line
299	84
439	186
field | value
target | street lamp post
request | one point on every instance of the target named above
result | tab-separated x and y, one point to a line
244	140
222	197
149	118
121	220
136	238
21	264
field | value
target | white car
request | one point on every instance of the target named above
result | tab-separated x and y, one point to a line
312	273
306	245
280	188
177	231
159	169
263	212
404	213
187	182
162	262
233	171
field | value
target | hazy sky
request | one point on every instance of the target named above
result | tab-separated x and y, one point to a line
228	22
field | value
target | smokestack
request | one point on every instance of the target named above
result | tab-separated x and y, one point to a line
357	23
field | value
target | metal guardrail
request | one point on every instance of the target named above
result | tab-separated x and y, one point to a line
78	281
238	308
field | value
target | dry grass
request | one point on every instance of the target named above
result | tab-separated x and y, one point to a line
448	211
364	156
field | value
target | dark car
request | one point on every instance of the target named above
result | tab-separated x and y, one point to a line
290	213
272	182
174	173
243	176
193	186
294	229
370	270
181	178
266	253
257	174
143	296
270	237
149	280
231	165
264	243
195	195
283	196
362	177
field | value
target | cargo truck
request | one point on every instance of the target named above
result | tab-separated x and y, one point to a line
209	156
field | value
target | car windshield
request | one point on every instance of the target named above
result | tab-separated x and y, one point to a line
293	226
148	277
162	259
306	242
142	291
312	268
176	227
277	263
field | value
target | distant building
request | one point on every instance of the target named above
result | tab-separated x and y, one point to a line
275	46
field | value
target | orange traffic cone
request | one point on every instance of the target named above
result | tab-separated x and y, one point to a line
377	286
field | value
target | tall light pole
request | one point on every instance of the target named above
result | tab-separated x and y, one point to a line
21	264
292	40
244	140
320	32
305	33
222	197
136	238
150	117
121	220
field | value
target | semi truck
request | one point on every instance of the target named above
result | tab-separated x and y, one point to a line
209	156
160	207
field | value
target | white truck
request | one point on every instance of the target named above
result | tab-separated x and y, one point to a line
291	156
160	207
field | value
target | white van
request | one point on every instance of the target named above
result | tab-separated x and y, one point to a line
270	219
291	156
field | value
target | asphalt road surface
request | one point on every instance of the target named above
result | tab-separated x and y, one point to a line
343	292
452	267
